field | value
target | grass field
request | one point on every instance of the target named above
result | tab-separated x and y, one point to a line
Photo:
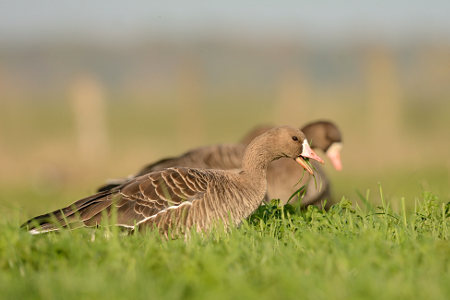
367	246
350	252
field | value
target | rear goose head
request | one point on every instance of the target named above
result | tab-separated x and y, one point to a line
276	143
326	136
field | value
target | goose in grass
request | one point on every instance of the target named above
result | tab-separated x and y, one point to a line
175	199
283	175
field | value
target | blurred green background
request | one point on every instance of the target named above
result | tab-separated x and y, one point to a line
90	93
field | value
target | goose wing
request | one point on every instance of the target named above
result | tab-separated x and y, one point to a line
129	204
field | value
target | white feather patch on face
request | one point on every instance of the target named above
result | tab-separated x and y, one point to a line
306	148
335	147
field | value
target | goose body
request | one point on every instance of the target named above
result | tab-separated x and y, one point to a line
175	199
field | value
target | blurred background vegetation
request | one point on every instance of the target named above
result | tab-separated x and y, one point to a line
91	91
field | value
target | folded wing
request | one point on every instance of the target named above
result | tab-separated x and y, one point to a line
139	200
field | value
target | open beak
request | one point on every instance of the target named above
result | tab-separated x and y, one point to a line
306	154
334	153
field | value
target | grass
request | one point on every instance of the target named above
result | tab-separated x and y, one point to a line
349	252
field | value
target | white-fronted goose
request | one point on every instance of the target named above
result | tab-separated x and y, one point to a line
283	175
178	198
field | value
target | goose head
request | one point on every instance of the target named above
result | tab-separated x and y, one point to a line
326	136
287	142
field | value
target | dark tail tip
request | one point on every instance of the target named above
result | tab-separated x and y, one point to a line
43	222
107	187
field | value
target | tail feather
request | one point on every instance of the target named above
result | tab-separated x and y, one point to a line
111	184
75	215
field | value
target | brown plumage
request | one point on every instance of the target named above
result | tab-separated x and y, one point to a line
283	175
178	198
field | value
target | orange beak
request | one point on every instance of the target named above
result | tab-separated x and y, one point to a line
334	153
308	153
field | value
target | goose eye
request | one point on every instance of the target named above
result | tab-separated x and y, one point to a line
295	138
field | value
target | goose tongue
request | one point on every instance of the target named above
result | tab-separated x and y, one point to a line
334	153
307	153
